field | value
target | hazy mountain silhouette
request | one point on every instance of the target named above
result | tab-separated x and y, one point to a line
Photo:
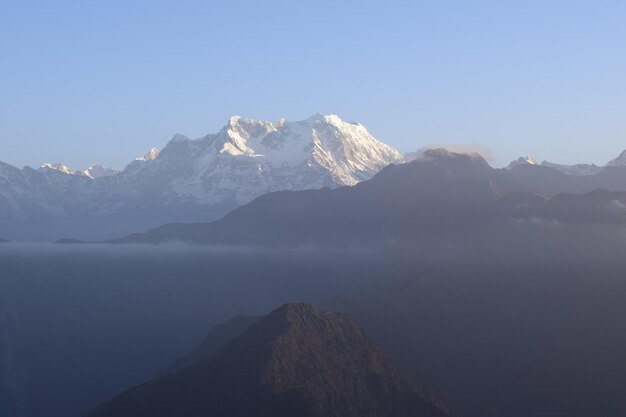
433	200
442	190
548	181
296	361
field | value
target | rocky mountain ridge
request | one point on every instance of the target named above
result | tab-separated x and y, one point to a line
296	361
189	179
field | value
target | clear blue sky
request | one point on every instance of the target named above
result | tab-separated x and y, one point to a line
84	82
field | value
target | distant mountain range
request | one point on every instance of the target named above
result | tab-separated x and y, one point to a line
439	201
296	361
547	181
203	179
189	180
579	170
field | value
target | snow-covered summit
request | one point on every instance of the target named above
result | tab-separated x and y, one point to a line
98	171
194	180
328	150
64	169
94	171
154	152
522	160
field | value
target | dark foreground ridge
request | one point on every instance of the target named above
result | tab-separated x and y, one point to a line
296	361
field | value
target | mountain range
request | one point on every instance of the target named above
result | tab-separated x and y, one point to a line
189	180
440	202
202	180
579	170
296	361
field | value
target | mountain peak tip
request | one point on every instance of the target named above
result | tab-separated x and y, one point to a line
56	167
523	160
178	137
153	153
327	118
294	311
430	154
234	119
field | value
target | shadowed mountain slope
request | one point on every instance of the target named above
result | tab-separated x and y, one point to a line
548	181
296	361
440	191
441	200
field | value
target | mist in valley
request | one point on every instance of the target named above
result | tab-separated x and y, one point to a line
539	334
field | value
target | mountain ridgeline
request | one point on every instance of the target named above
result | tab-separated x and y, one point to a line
189	180
201	180
296	361
443	201
496	288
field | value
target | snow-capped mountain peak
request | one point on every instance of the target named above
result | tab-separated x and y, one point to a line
98	171
249	157
94	171
523	160
154	152
240	132
321	142
64	169
205	178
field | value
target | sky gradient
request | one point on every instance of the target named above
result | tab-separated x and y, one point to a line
86	82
